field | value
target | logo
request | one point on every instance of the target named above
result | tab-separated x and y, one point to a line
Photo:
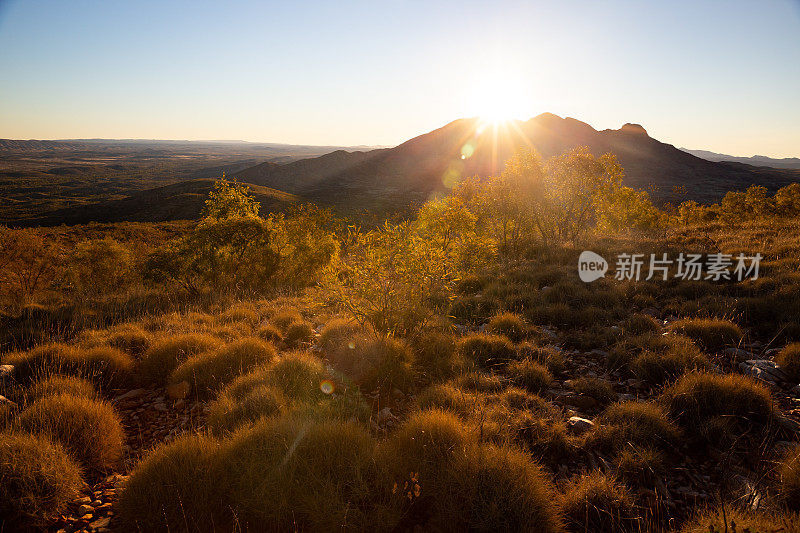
591	266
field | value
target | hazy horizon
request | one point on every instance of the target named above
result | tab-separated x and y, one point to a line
708	76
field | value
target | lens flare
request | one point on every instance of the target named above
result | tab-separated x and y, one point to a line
326	386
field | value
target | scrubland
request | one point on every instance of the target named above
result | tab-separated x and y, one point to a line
447	372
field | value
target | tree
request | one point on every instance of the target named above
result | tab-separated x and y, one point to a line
787	200
230	199
100	266
628	209
28	264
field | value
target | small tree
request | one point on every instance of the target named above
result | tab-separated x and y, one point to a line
230	199
28	264
100	266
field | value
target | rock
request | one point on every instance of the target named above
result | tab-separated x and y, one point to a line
160	407
651	312
100	523
385	415
85	509
578	425
601	353
789	424
83	500
178	391
179	403
131	394
737	354
6	373
580	401
763	369
6	401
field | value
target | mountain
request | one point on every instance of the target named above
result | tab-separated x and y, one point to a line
392	178
179	201
756	160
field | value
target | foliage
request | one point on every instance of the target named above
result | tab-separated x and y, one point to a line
101	266
28	264
599	503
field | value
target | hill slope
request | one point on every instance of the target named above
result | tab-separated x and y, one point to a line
179	201
756	160
420	167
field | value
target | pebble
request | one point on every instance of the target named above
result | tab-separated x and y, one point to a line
578	425
135	393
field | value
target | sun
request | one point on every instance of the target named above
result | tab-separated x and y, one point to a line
499	97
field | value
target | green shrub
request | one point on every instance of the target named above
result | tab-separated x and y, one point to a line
173	489
298	333
37	480
165	355
209	371
88	429
294	474
710	333
486	350
789	360
509	325
789	472
55	385
530	375
227	413
719	409
597	503
641	424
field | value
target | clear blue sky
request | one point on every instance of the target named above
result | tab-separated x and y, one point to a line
718	75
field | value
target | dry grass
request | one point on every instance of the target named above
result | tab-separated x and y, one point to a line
598	503
485	350
530	375
208	372
789	360
509	325
228	414
88	429
37	480
56	384
711	334
165	355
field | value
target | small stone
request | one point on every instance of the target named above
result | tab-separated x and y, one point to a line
578	425
83	500
178	391
100	523
83	510
135	393
6	401
179	403
737	354
160	407
385	415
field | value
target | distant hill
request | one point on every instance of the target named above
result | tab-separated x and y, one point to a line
425	165
756	160
179	201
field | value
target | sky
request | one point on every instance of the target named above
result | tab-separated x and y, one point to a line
716	75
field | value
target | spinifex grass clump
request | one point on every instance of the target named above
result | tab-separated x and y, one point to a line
88	429
376	363
720	410
596	502
711	334
298	334
37	480
529	374
57	384
209	371
102	364
165	355
509	325
174	489
641	424
789	360
485	350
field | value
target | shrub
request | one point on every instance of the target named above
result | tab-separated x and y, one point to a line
595	502
509	325
789	471
486	350
710	333
530	375
719	408
596	388
734	520
789	360
298	333
56	384
164	356
37	480
639	424
172	489
323	483
207	372
227	413
448	398
491	488
100	267
88	429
